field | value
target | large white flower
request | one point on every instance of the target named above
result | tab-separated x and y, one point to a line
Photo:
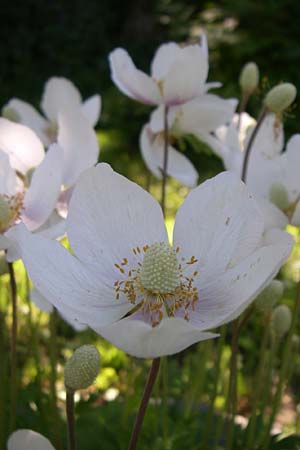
199	117
28	440
273	173
60	95
126	282
178	74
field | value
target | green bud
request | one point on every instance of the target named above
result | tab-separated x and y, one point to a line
281	320
11	114
249	77
280	97
82	368
278	196
295	342
268	298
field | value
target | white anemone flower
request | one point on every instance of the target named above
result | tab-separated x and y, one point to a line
178	74
200	117
127	282
273	173
28	440
60	95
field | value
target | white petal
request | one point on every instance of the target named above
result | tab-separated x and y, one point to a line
91	108
179	166
139	339
79	142
24	148
269	139
186	77
40	301
219	223
65	282
43	192
273	217
30	117
157	118
60	94
131	81
28	440
109	216
225	297
54	227
206	113
8	180
296	216
164	57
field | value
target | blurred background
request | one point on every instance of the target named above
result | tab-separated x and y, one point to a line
41	39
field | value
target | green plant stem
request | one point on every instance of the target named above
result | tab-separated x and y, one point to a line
258	385
53	378
248	149
214	393
70	411
14	333
144	403
283	370
165	163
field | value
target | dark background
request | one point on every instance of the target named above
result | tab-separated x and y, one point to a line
73	38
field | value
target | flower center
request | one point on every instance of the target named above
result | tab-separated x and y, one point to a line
9	210
157	284
160	272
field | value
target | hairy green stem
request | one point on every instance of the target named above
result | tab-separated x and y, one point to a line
14	332
70	411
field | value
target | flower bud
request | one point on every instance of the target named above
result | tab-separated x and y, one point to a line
278	196
82	368
295	342
249	78
268	298
281	320
11	114
280	97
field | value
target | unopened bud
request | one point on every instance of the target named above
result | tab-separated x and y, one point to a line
295	342
281	320
268	298
280	97
249	77
278	196
11	114
82	368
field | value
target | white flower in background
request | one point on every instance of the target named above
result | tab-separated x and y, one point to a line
29	199
42	304
28	440
199	117
273	173
129	284
59	96
178	74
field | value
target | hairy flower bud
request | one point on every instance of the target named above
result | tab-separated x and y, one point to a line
278	196
280	97
268	298
82	368
249	77
281	320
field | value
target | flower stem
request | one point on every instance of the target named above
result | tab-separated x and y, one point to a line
283	370
14	331
70	420
53	377
250	143
144	403
165	163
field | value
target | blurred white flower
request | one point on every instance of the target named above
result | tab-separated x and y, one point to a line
199	117
28	440
178	74
125	281
60	96
273	172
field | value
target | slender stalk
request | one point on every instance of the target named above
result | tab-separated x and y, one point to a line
242	107
283	370
53	378
258	385
144	403
165	163
250	143
70	420
148	181
14	332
